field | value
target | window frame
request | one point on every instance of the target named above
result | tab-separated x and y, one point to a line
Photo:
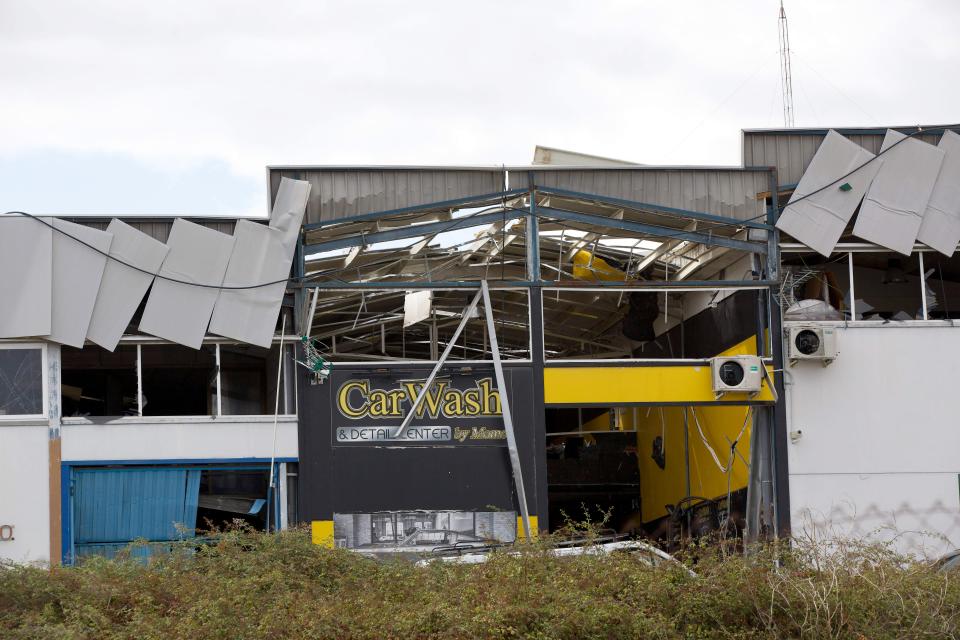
44	379
288	398
848	250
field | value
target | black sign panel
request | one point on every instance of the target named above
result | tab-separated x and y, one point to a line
457	410
452	457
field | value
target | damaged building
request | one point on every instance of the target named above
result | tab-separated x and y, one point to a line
408	359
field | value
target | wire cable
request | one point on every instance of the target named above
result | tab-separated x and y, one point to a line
454	224
145	271
873	159
159	276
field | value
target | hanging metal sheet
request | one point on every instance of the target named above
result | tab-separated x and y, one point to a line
416	307
260	255
288	209
896	202
181	312
26	262
122	287
79	257
940	228
818	220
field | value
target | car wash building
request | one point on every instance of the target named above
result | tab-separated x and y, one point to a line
507	349
413	358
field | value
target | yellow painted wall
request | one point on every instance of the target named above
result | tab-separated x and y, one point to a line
660	487
670	385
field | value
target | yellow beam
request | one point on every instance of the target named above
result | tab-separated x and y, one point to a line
660	384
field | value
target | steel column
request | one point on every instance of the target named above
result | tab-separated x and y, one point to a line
778	413
505	409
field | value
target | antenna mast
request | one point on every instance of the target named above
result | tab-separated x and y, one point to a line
786	80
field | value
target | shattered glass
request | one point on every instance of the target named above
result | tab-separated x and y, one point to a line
21	382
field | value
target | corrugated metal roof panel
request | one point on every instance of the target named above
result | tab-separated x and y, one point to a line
791	150
729	192
343	192
159	228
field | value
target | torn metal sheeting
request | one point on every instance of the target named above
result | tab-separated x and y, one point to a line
940	228
416	307
122	287
26	262
819	220
288	209
180	312
77	270
896	202
259	255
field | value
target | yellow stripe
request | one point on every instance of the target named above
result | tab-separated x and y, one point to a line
625	385
321	532
534	528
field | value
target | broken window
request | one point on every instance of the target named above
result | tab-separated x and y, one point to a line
175	381
887	286
248	380
21	380
227	495
96	382
178	381
113	506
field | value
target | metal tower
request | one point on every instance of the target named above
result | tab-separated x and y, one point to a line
786	80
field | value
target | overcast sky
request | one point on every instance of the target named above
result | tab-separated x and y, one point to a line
122	107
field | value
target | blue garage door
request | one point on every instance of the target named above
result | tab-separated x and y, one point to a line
113	507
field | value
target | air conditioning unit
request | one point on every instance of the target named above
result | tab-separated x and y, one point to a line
812	342
736	374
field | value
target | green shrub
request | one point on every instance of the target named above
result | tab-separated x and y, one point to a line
244	584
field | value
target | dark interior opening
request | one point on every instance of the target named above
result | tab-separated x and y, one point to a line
178	381
96	382
228	495
590	473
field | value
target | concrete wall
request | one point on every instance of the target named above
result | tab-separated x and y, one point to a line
199	438
24	497
879	452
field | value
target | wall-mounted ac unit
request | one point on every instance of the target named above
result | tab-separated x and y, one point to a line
812	342
736	374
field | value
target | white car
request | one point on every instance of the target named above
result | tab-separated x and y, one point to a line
650	554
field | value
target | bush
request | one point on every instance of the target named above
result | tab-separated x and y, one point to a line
251	585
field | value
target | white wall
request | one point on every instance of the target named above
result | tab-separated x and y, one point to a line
24	493
159	438
880	446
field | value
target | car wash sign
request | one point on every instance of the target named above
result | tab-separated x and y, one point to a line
459	410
